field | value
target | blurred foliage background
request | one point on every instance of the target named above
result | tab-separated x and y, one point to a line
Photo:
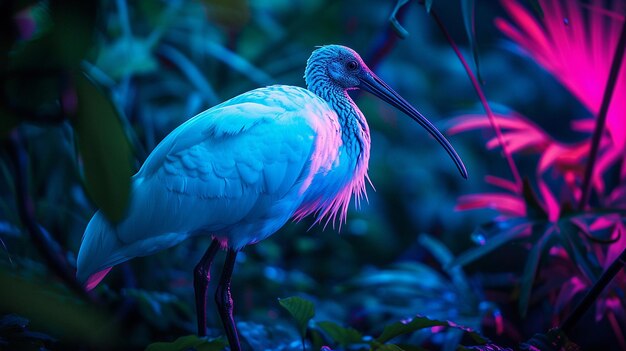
90	88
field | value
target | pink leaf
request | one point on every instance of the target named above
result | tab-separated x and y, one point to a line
550	202
570	289
503	203
576	45
502	183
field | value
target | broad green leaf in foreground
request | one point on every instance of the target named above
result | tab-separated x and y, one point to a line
300	309
342	336
105	150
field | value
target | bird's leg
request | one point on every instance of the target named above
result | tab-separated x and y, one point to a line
225	302
201	277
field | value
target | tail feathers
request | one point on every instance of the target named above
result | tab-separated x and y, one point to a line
98	252
96	278
102	249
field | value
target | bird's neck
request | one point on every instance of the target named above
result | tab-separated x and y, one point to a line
355	132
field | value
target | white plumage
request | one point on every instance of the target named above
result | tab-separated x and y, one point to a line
240	170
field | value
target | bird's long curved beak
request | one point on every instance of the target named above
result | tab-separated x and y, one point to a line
371	83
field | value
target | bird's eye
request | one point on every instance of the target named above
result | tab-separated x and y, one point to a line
352	65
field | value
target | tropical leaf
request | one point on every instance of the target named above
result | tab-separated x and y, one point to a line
468	8
572	243
502	183
400	328
301	310
568	290
530	269
104	148
445	257
514	231
510	205
189	342
341	335
420	322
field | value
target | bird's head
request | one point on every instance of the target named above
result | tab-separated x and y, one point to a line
341	65
336	66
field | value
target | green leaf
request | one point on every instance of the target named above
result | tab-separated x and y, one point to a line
301	310
530	269
342	336
400	328
491	244
105	150
189	342
468	9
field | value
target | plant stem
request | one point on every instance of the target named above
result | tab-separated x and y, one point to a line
593	293
483	100
602	114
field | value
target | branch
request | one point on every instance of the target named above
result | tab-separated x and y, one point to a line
593	293
49	249
483	100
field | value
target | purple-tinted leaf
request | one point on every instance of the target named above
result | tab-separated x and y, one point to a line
521	141
584	125
617	197
502	183
551	204
420	322
616	248
617	329
478	121
570	289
